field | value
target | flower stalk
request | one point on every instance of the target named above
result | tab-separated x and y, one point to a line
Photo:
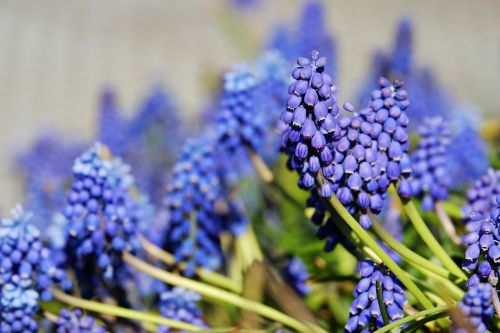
217	294
434	311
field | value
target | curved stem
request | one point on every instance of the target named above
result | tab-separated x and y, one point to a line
207	276
386	259
414	258
218	294
121	312
452	210
430	240
397	323
446	223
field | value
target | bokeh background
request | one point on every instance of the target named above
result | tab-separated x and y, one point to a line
55	56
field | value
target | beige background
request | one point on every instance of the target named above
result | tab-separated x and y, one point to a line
55	55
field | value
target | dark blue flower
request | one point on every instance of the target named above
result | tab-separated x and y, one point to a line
101	217
431	181
295	274
482	256
200	208
482	194
180	304
402	53
74	321
474	310
282	41
365	314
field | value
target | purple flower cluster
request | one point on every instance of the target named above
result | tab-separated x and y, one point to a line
475	309
354	156
26	273
200	208
296	275
482	256
74	321
482	194
101	217
365	312
431	181
180	304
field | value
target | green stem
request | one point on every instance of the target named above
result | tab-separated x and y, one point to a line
416	325
386	259
218	294
121	312
398	323
381	304
207	276
414	258
430	240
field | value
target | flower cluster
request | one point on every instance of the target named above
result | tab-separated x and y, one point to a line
402	53
239	123
26	273
356	157
200	208
430	180
180	304
365	312
310	122
74	321
296	275
112	129
482	194
101	216
482	255
311	33
475	309
43	169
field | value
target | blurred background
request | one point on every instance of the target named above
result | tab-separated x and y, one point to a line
56	56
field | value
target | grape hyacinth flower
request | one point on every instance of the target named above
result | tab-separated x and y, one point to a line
365	312
281	40
180	304
239	122
468	153
309	120
481	195
312	34
19	306
431	181
474	310
24	255
199	208
296	275
402	54
112	127
74	321
43	172
101	218
482	256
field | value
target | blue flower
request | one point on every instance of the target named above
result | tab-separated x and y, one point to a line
74	321
431	181
482	256
112	127
23	255
296	275
43	169
200	208
311	33
365	314
18	306
101	217
482	194
402	53
239	123
180	304
474	310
